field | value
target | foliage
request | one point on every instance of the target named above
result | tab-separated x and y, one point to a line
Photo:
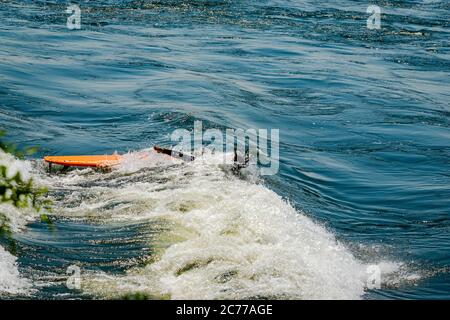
19	192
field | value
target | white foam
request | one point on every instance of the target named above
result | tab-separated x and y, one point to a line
16	218
228	238
10	280
15	166
147	158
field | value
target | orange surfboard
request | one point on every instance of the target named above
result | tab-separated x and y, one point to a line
107	161
85	161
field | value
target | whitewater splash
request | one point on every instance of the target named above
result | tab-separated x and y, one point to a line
224	237
11	282
16	218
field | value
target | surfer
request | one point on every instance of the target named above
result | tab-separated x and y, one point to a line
106	162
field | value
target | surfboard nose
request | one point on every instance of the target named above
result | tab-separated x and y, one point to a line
48	158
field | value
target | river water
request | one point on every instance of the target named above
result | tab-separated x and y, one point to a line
364	148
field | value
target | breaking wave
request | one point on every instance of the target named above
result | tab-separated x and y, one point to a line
224	237
11	282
